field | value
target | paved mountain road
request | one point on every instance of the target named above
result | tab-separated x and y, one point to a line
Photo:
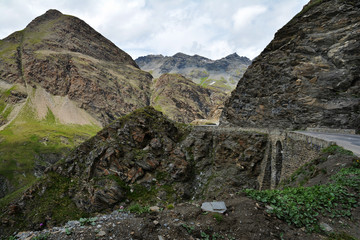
348	141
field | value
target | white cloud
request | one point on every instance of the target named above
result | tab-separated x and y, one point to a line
244	16
211	28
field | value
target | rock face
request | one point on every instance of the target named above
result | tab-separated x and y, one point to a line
184	101
66	57
308	76
221	74
144	148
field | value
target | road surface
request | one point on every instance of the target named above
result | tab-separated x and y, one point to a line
348	141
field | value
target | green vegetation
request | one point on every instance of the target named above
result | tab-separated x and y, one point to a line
8	50
43	236
36	35
188	228
304	173
333	149
136	208
301	206
27	141
216	84
218	217
88	221
170	206
53	202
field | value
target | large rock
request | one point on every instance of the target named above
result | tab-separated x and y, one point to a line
308	76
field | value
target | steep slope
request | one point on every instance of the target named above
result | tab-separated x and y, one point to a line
308	76
60	82
220	74
184	101
33	136
66	57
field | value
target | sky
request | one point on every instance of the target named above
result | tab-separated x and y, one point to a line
210	28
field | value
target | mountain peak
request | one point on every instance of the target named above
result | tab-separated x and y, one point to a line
180	55
48	15
52	12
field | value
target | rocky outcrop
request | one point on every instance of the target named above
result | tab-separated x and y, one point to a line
221	74
142	157
184	101
144	148
308	76
66	57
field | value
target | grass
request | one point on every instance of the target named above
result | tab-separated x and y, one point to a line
136	208
53	203
333	149
28	140
301	206
218	217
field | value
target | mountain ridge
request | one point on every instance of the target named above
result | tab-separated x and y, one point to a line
222	73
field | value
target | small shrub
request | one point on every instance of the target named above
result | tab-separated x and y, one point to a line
91	221
188	228
170	206
218	217
138	209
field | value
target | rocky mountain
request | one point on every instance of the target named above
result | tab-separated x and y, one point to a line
221	74
60	82
184	101
66	57
308	76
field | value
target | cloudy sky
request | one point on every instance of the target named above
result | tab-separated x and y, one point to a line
211	28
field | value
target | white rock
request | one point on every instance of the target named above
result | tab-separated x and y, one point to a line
101	234
219	207
326	227
154	209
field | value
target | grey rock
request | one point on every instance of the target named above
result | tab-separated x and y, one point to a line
101	233
219	207
72	224
326	227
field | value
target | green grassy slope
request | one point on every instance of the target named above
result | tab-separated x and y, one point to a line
28	141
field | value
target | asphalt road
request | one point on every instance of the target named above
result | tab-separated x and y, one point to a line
347	141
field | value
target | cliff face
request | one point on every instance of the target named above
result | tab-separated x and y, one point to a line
220	74
184	101
308	76
66	57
